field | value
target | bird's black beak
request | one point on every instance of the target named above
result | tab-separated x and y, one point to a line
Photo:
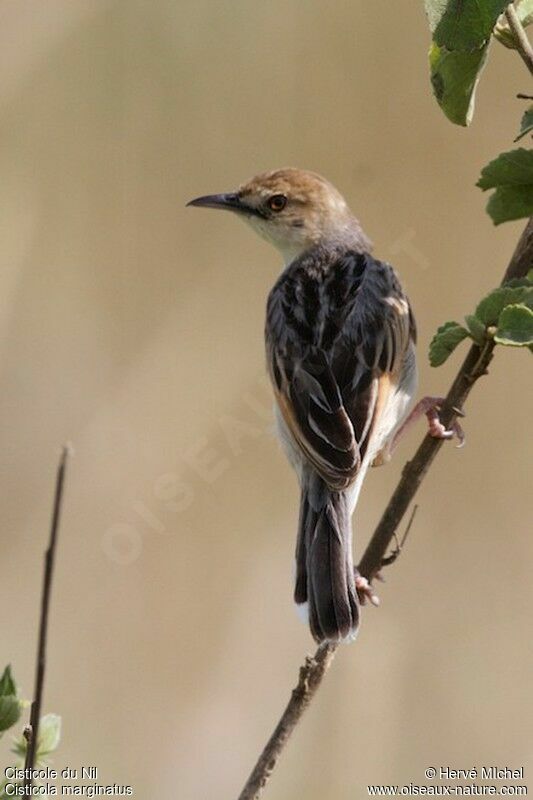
230	201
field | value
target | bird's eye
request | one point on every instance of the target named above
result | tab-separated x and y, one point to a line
277	202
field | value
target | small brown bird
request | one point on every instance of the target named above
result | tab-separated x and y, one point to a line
340	337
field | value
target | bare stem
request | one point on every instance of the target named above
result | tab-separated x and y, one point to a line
312	672
523	45
31	732
310	678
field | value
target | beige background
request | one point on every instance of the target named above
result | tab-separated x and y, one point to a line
133	327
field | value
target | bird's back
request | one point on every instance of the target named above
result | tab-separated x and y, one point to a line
337	322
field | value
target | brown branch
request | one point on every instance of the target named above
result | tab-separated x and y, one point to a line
311	674
31	732
522	260
474	367
522	43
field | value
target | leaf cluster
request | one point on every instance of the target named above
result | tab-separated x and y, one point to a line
504	316
462	32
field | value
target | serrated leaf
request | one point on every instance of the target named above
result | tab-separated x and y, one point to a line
7	683
454	78
489	309
9	711
445	341
513	168
515	326
527	281
511	174
526	124
463	24
476	328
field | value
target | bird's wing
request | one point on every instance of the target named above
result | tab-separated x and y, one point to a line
336	340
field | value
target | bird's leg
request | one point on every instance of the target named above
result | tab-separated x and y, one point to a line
430	407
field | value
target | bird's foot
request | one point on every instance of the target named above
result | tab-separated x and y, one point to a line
430	407
365	591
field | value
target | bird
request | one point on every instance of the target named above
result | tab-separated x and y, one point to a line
340	338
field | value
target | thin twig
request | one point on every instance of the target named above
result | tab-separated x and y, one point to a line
523	45
474	366
310	678
31	732
386	561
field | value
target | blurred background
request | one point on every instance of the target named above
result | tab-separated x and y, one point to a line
133	327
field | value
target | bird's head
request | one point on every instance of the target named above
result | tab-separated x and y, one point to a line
290	208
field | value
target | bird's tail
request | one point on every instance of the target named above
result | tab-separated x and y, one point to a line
324	563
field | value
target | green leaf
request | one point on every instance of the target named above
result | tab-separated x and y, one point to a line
454	78
476	328
514	168
10	705
435	10
19	747
489	309
463	25
49	735
445	341
526	124
7	683
511	174
509	203
3	790
515	326
527	281
10	709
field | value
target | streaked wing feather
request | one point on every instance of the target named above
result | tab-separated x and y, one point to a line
338	328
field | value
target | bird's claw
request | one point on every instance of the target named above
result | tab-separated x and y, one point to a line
437	429
430	407
365	591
